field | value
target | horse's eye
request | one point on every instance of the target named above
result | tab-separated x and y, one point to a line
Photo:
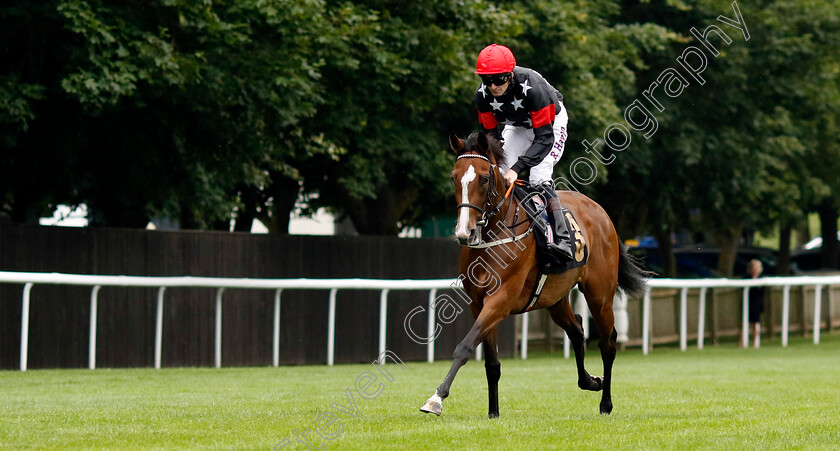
485	179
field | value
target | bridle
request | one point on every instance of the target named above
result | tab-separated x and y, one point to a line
488	209
491	209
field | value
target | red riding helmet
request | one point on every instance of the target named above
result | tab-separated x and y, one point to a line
495	59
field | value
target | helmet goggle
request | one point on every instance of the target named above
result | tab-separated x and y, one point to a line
495	79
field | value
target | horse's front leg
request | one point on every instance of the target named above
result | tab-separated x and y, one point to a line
493	369
463	352
486	321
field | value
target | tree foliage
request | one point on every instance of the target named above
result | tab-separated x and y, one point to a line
208	111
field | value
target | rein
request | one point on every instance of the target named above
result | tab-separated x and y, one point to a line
489	209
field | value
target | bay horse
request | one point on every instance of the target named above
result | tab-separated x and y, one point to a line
502	284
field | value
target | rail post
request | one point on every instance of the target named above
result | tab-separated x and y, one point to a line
745	307
524	340
817	313
785	315
683	318
218	335
701	318
24	327
159	327
94	301
430	346
275	333
383	320
646	322
331	328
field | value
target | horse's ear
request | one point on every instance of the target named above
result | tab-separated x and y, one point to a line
482	143
455	143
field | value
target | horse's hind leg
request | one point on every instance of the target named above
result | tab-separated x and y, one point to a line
493	368
564	317
605	322
600	300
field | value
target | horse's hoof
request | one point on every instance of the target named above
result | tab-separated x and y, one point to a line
594	383
433	405
493	415
606	409
598	382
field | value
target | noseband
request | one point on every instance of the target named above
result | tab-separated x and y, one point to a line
488	209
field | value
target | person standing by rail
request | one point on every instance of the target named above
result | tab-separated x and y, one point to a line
755	297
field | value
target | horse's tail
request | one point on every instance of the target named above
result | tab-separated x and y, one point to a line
631	277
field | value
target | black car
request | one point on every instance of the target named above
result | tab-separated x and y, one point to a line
694	262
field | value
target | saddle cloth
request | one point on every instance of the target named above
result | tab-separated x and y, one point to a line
550	263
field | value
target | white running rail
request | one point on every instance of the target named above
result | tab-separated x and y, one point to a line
704	284
162	283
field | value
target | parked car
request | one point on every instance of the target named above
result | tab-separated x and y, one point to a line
701	262
816	243
808	258
805	260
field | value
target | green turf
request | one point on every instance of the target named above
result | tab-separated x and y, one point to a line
718	398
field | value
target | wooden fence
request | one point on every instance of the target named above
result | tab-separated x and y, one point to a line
59	321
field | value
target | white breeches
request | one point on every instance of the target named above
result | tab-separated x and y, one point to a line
519	139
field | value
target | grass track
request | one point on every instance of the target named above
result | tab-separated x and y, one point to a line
718	398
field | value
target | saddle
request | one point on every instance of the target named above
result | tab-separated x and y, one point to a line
549	262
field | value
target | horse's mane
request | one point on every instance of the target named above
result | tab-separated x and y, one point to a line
495	146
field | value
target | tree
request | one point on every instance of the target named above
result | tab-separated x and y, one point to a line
387	109
599	56
730	138
208	112
165	108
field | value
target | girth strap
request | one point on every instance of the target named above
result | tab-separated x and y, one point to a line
535	294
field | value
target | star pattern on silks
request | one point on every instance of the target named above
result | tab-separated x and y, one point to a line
517	103
525	88
482	90
496	105
508	122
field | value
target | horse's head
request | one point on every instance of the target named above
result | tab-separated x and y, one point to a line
476	180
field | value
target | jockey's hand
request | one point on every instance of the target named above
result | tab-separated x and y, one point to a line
510	177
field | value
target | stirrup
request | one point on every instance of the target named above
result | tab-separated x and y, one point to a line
559	242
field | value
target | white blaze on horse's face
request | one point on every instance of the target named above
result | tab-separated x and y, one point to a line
462	229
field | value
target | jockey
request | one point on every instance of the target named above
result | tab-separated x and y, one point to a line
534	129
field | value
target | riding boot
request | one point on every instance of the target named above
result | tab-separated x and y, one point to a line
559	239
